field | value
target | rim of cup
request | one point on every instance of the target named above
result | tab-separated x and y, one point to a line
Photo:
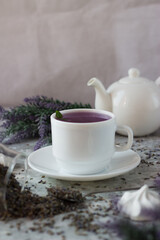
53	116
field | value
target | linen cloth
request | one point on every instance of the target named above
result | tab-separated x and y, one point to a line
53	47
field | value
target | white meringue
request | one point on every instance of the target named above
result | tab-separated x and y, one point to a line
133	202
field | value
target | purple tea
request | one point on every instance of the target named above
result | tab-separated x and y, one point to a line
84	117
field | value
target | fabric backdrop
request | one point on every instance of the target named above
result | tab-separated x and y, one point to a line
53	47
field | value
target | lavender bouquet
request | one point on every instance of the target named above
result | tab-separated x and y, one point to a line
32	120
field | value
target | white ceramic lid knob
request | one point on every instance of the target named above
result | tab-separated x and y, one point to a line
133	73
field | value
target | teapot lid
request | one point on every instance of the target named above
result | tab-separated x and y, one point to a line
133	77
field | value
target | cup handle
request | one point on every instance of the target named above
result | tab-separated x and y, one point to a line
119	148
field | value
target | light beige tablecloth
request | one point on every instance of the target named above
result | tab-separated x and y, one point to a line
53	47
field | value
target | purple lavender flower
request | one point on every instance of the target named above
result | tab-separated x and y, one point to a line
41	142
35	100
1	112
43	127
2	136
6	124
19	136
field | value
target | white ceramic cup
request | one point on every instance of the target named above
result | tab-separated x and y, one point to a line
86	148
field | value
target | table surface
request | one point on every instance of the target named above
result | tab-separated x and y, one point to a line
99	208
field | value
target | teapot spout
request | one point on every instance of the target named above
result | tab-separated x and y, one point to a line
102	99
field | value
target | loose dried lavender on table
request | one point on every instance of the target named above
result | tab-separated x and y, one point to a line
32	119
26	204
83	216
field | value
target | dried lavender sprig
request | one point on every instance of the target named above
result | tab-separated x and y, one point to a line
42	142
43	126
2	135
18	136
35	114
34	108
44	102
35	100
1	111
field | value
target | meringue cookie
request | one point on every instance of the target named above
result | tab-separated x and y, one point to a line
133	203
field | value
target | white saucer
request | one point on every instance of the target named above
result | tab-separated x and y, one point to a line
43	161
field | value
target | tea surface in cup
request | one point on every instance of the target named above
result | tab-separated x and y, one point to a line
84	117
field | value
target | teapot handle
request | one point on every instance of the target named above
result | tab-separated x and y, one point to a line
158	81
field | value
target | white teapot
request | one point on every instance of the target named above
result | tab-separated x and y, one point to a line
134	100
